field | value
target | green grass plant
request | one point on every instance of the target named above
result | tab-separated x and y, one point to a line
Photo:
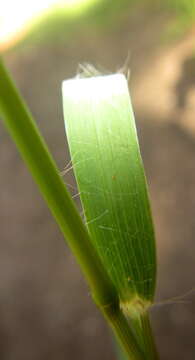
115	248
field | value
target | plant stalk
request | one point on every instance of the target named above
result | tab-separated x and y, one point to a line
123	332
143	331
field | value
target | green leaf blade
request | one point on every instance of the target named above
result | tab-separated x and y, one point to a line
109	171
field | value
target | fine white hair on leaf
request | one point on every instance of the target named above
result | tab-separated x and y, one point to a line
67	169
97	217
76	195
125	68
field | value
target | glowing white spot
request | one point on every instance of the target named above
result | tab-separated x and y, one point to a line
96	88
16	14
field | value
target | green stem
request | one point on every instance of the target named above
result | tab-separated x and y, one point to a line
34	151
142	327
123	332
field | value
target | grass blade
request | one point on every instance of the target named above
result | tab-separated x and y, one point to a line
109	171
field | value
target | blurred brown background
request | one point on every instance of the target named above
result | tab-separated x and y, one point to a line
45	308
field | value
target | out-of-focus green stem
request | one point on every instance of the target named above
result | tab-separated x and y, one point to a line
150	345
34	151
142	327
